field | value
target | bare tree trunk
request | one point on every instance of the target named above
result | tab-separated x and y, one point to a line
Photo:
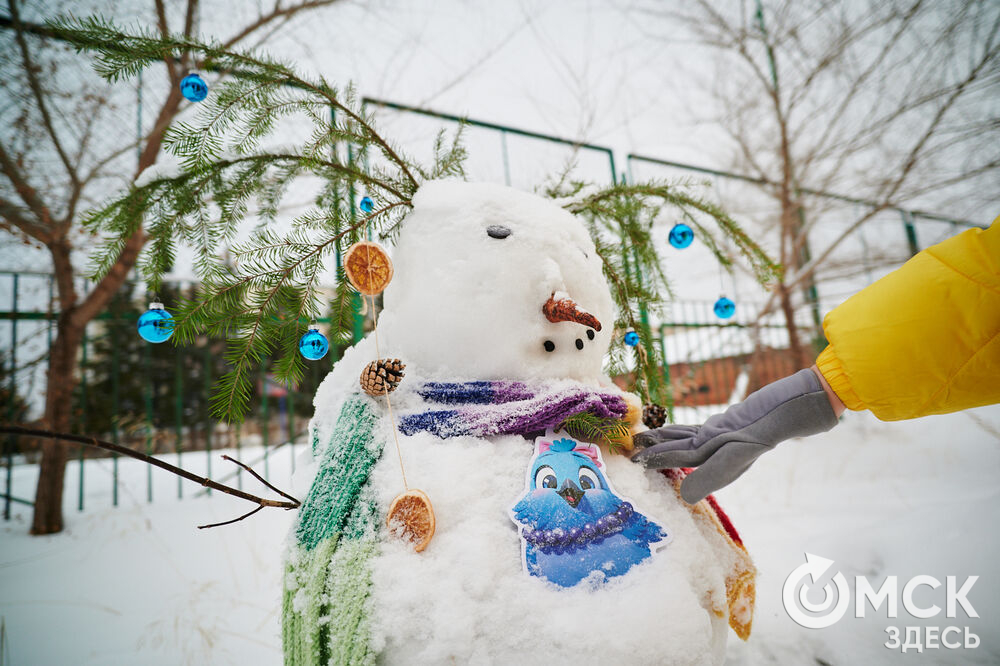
34	220
794	339
58	416
71	324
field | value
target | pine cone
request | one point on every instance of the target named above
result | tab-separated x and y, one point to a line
654	416
382	376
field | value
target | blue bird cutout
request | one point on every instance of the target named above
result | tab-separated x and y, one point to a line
572	523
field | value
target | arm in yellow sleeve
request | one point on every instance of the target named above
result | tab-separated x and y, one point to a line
924	339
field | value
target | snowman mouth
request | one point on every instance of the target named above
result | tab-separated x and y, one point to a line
561	307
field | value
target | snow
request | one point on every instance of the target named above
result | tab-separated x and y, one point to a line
140	584
467	599
465	305
166	167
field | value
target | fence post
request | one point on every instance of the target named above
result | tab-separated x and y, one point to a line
148	399
265	427
179	413
207	372
115	399
290	415
911	231
83	405
506	160
9	444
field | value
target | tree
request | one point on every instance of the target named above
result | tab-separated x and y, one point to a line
53	163
892	102
262	299
124	372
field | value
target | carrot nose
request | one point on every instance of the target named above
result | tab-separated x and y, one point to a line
561	307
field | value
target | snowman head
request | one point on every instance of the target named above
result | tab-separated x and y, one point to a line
495	283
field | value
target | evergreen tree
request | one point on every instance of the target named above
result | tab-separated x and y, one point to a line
261	302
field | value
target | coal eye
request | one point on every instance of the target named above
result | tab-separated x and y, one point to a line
589	479
497	231
545	478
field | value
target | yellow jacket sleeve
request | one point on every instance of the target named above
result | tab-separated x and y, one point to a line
924	339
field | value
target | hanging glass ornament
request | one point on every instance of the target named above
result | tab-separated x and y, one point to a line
366	205
313	344
156	325
681	236
724	308
194	88
631	338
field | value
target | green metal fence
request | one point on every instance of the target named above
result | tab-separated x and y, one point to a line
695	344
153	398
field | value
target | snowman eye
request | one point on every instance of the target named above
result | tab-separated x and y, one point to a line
589	479
497	231
545	478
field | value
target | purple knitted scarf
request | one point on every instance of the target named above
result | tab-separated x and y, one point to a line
506	407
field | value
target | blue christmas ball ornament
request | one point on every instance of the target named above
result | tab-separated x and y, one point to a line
681	236
313	345
367	205
194	88
631	338
156	325
724	308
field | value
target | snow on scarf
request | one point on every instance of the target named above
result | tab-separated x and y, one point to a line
485	408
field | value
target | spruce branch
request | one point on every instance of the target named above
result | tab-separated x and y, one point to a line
122	55
620	219
596	429
259	300
604	202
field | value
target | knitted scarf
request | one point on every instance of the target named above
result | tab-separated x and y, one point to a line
486	408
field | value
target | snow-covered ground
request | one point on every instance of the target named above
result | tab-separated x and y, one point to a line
140	584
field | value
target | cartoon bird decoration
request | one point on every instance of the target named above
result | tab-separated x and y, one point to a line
572	523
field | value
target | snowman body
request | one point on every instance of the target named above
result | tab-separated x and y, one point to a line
474	266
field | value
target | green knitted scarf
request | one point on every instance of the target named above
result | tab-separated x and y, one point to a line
326	605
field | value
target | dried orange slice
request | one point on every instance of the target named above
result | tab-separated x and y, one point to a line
368	267
411	517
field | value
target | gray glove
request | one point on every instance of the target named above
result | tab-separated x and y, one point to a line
728	443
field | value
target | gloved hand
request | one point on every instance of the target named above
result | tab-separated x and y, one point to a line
728	443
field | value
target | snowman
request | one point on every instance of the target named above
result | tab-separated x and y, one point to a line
501	312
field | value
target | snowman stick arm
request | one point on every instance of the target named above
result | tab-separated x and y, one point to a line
260	478
234	520
125	451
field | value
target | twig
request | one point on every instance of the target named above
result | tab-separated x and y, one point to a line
234	520
121	450
260	478
270	451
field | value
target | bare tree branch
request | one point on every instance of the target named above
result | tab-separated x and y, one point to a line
292	503
161	20
276	12
31	71
14	217
26	192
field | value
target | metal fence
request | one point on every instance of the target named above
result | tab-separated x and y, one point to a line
709	361
152	398
860	254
